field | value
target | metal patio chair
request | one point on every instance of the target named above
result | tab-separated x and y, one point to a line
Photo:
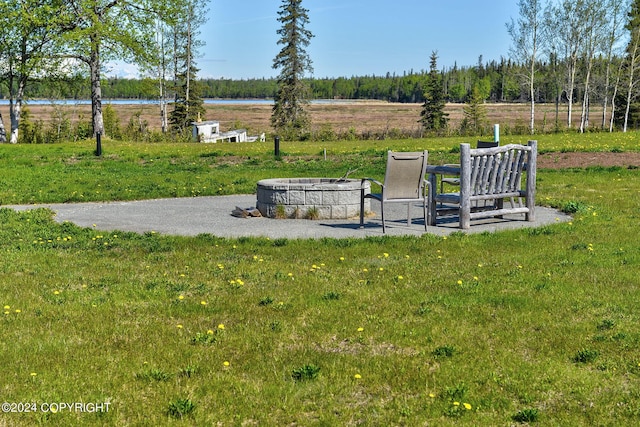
403	183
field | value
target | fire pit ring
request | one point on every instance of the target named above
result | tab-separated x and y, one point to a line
311	198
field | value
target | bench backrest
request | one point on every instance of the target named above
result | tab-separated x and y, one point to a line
497	170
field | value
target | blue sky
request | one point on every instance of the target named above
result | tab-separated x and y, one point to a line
356	37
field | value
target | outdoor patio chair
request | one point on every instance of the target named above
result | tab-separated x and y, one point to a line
403	183
489	174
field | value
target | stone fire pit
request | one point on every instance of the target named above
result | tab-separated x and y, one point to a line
312	198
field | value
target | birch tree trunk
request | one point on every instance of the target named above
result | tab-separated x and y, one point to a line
571	89
15	110
615	11
633	61
613	97
3	132
96	90
584	116
595	34
532	93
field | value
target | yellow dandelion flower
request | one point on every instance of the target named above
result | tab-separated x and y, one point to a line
209	332
400	277
456	403
467	406
18	311
7	307
56	292
431	395
179	326
226	363
221	326
381	269
203	303
386	255
459	282
341	258
181	297
360	329
357	376
365	270
33	374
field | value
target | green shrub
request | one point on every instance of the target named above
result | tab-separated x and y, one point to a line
305	373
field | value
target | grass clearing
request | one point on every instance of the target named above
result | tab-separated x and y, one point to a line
527	326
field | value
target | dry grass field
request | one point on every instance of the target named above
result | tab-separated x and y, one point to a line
341	117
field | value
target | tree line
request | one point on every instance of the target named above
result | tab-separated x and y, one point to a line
574	53
498	81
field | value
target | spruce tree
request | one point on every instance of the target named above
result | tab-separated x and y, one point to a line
289	117
188	103
432	116
475	113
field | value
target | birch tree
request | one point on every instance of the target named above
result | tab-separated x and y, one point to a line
594	16
106	30
616	11
527	37
188	103
633	57
566	28
29	34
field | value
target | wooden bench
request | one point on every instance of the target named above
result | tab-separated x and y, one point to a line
487	174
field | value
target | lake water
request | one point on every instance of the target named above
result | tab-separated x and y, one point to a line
151	101
136	101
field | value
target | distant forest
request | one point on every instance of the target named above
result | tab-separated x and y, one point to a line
496	81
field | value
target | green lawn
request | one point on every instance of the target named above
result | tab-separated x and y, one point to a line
535	326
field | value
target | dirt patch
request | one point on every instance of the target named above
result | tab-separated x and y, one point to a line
583	160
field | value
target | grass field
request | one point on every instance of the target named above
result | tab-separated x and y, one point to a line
527	327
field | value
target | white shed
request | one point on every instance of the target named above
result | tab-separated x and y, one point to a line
206	131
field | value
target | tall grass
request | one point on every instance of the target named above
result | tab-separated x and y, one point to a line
528	326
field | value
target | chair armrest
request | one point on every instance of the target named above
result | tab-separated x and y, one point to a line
375	181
